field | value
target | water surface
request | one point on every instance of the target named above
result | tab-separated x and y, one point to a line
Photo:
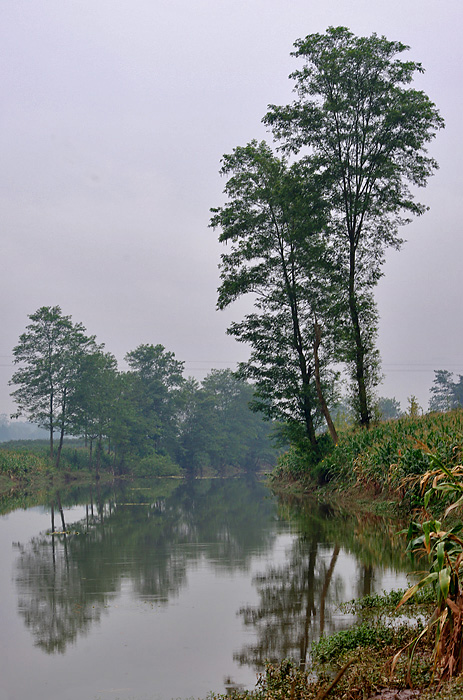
171	589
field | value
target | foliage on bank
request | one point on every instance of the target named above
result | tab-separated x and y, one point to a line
386	458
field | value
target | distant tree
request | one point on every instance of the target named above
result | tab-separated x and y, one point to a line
446	394
414	408
156	383
388	408
273	224
91	408
366	132
51	353
218	429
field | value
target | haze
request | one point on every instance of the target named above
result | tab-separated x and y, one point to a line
115	116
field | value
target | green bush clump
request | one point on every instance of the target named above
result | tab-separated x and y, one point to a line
155	465
365	635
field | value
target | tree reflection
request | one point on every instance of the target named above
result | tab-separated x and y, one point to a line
149	537
296	604
298	600
53	598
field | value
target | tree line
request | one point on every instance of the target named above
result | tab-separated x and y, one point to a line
149	418
307	225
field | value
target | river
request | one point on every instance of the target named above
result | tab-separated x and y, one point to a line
171	589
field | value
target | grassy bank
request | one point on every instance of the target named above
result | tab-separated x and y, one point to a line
383	460
356	664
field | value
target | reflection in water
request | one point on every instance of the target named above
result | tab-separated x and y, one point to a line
296	604
148	539
299	600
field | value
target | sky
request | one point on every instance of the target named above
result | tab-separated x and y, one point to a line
114	118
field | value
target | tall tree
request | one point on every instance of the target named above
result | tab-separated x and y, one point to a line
366	132
274	222
50	352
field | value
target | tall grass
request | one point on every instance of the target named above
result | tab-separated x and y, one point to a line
19	463
381	458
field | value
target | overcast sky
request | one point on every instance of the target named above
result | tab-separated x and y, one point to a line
114	118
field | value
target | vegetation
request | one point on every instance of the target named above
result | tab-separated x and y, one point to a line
51	353
446	394
148	420
273	223
384	459
443	547
307	240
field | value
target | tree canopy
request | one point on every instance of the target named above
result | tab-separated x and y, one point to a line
148	419
307	230
274	222
365	131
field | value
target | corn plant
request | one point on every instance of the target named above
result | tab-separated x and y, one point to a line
443	548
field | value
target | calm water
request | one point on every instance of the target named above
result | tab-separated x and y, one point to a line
172	589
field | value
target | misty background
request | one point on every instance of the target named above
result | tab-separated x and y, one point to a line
114	118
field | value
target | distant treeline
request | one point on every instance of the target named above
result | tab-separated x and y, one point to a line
19	430
149	419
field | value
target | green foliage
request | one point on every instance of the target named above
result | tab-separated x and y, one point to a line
50	354
445	393
443	547
154	465
148	419
387	601
382	457
387	408
217	428
367	132
19	463
303	464
273	225
365	635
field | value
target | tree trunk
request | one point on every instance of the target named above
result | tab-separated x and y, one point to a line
50	424
61	512
321	398
61	436
359	346
98	457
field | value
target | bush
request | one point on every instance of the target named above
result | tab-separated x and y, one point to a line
155	465
330	648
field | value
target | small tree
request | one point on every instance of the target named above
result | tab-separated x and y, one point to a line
414	408
388	408
51	352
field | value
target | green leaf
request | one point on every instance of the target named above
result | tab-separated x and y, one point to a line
427	497
444	582
440	554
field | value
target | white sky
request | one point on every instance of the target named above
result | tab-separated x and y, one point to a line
114	117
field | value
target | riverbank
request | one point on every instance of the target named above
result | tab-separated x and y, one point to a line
382	470
382	464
